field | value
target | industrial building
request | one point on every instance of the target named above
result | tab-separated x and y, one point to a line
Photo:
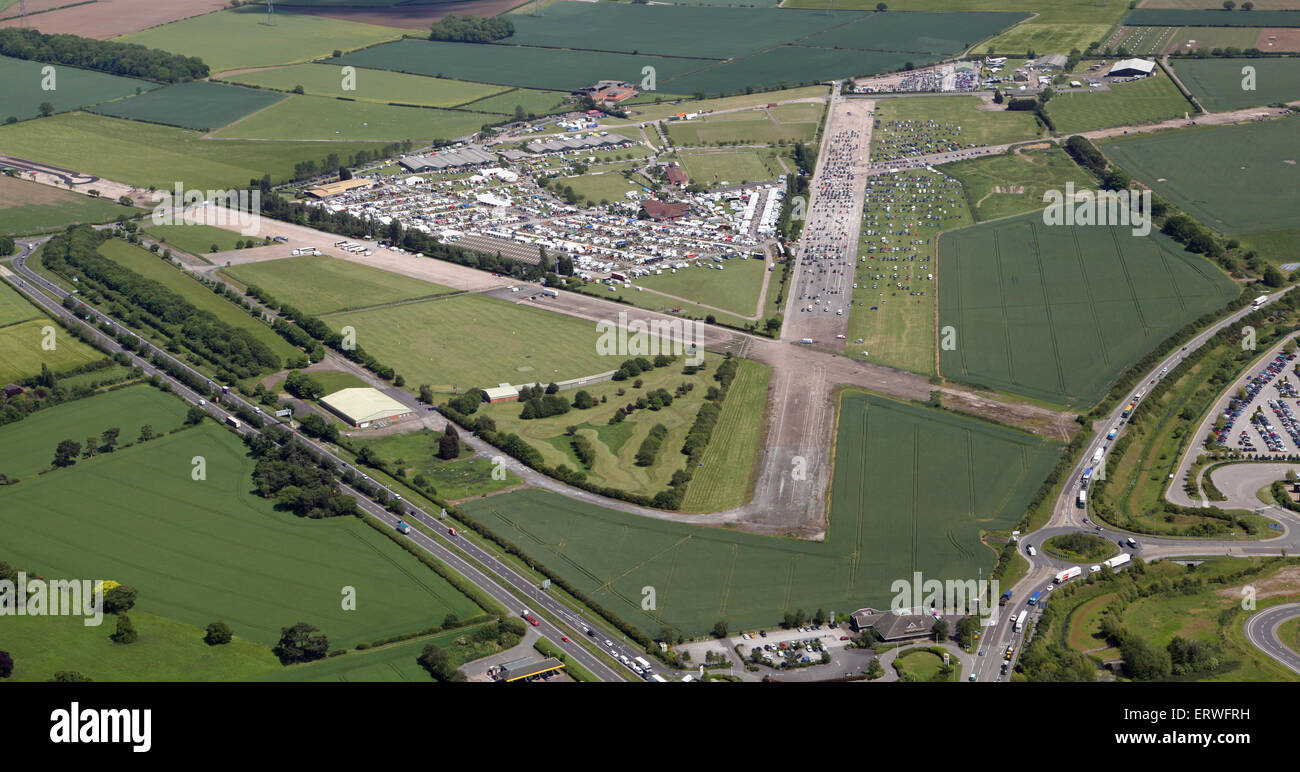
1130	68
363	407
1051	62
561	144
458	158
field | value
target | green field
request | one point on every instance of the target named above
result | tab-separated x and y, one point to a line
146	154
334	285
30	207
712	168
164	651
792	123
887	519
595	187
385	664
21	351
316	118
241	37
1013	183
1154	98
786	66
330	380
738	287
533	102
1218	82
29	444
204	550
650	111
976	127
151	266
471	341
196	239
1255	187
22	88
1046	38
368	85
1211	17
1057	313
726	479
199	105
416	453
14	307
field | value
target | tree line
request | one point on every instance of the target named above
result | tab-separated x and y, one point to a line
471	29
127	59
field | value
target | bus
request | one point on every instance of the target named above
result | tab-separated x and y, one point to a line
1033	599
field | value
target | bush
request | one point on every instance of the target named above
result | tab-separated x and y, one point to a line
217	633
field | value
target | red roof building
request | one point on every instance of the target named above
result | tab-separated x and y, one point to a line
664	210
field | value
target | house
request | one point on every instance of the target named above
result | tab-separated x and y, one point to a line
607	91
676	175
13	390
891	626
664	210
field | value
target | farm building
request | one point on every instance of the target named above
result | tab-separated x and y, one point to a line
664	210
608	91
676	175
1051	62
332	189
1127	68
891	626
502	393
363	407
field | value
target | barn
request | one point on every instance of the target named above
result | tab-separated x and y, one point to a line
1131	68
363	407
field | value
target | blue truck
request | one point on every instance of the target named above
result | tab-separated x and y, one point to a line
1006	598
1033	599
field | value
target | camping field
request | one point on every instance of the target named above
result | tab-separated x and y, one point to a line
30	207
1013	183
470	341
1057	313
145	154
957	119
1154	98
370	85
736	288
889	516
792	123
1218	82
199	105
334	285
22	88
1256	187
209	549
322	118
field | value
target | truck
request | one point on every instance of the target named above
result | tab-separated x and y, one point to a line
1082	500
659	678
1259	301
1033	599
806	340
641	662
1005	599
1087	477
1129	409
550	293
230	419
1068	574
1118	560
1111	434
1129	541
1097	454
1020	620
402	527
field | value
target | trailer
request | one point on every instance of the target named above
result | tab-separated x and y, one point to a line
1259	301
230	419
1118	560
1068	574
1097	455
550	293
1020	620
1082	500
1033	599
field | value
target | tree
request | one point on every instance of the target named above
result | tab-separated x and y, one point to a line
69	677
195	415
1273	277
438	664
881	7
449	443
66	453
874	670
120	599
146	433
6	664
1228	5
966	627
125	632
110	438
426	394
217	633
90	448
1247	6
450	621
941	630
46	109
301	643
720	629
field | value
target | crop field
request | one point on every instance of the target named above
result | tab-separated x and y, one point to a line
14	307
1198	5
784	67
888	518
470	341
417	453
320	285
1153	98
1013	183
738	287
314	118
1188	39
199	105
916	32
197	239
29	445
22	91
712	168
240	37
1256	187
204	550
532	101
616	445
539	68
1040	37
21	354
1207	17
30	207
759	127
1056	313
370	85
153	267
146	154
726	479
1217	82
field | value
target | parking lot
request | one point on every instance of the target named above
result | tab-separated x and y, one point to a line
1258	419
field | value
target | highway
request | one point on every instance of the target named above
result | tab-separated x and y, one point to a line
1261	631
493	578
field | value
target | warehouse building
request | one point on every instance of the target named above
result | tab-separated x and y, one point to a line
561	144
1051	62
503	392
364	407
1131	68
459	158
332	189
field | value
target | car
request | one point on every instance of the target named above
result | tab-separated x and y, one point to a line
609	643
202	402
565	638
532	620
745	636
762	633
844	637
972	677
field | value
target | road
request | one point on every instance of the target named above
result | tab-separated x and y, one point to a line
477	565
1261	631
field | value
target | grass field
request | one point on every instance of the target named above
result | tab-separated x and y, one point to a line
386	664
650	111
22	88
416	453
21	351
924	665
887	519
726	479
30	207
205	550
737	287
199	105
470	341
314	118
1218	82
1153	98
196	239
1056	313
327	80
164	651
595	187
331	380
1004	185
14	307
712	168
1255	187
151	266
29	444
146	154
532	101
319	285
792	123
240	37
